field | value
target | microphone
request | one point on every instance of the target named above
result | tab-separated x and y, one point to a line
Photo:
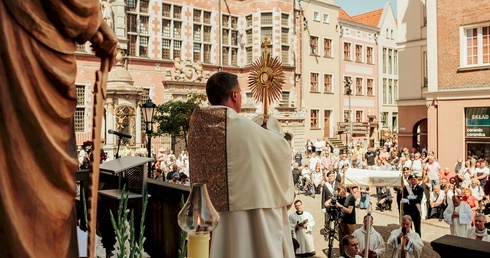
123	135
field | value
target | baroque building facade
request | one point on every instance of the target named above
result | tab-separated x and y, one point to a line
170	48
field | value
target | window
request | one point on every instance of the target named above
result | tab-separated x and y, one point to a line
369	55
395	90
347	51
313	45
475	49
266	18
384	60
266	32
314	82
201	36
347	85
384	119
327	47
138	29
249	55
284	101
395	61
359	90
285	38
249	37
249	21
358	53
359	116
80	109
285	54
390	91
369	86
285	20
327	83
385	99
326	18
314	118
390	61
172	32
316	16
346	115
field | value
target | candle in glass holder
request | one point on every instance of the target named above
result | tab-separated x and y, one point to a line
198	218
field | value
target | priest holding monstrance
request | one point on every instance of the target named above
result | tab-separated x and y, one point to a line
246	166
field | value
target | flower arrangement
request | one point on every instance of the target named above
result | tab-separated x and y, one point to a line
127	246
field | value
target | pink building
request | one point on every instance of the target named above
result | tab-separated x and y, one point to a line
358	67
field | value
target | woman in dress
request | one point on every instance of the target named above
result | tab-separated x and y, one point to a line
472	201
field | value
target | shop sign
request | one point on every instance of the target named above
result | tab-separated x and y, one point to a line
478	122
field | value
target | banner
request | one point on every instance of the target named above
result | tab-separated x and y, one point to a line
372	178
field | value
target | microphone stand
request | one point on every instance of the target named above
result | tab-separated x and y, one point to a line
118	145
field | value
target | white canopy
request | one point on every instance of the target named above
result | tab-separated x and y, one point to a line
372	178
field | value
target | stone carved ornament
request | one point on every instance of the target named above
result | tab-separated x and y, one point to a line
187	71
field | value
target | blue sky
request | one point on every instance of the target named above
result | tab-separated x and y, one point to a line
354	7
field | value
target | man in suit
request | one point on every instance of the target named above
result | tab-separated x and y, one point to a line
329	188
413	194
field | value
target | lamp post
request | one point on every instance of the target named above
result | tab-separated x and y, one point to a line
148	110
348	92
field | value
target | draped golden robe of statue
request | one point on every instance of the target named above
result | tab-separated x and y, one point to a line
37	144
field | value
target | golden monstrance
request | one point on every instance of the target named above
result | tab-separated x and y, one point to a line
266	78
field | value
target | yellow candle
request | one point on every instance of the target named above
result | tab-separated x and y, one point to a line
198	246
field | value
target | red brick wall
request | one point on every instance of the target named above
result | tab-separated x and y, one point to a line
450	16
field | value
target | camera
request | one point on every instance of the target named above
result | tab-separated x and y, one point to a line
404	230
333	201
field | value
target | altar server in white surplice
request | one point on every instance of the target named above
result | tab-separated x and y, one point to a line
376	242
479	232
458	215
302	224
404	240
247	170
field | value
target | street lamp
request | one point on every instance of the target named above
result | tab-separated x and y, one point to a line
148	110
348	92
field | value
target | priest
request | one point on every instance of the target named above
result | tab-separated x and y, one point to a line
302	223
247	171
458	215
404	242
376	242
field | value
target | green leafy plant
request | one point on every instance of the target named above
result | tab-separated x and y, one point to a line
183	237
173	117
127	246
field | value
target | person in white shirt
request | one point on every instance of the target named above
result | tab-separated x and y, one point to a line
433	171
458	215
482	172
476	189
436	203
313	160
417	167
376	242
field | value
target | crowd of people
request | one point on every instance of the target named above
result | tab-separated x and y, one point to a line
454	195
171	168
165	166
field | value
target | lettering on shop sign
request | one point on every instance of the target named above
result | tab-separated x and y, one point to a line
477	122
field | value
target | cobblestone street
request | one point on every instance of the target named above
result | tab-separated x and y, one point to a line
384	223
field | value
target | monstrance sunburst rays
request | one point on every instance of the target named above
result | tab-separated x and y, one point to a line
266	78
